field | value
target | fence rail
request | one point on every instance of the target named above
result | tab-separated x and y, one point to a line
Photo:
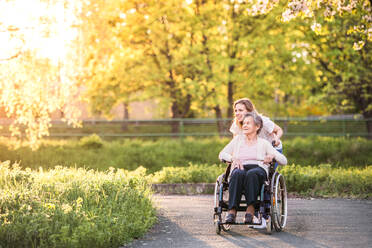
348	126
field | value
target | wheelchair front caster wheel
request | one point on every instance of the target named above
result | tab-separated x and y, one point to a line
218	228
269	225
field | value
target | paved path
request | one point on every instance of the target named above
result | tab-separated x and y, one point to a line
186	222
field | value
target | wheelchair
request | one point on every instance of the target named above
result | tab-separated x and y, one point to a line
270	207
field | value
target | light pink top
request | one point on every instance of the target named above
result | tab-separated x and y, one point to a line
264	148
247	153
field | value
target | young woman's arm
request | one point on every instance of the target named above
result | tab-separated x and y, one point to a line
277	134
270	153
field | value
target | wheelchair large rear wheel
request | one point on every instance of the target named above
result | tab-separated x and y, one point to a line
278	202
219	217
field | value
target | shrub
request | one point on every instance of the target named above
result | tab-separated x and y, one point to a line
322	180
336	151
67	207
91	141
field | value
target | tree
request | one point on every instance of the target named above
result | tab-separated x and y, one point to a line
113	74
159	31
346	73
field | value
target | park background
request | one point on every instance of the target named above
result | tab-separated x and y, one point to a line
100	99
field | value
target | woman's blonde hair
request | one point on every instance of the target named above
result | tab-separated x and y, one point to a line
247	104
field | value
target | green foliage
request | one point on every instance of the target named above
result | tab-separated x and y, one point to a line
195	57
343	70
336	151
66	207
91	141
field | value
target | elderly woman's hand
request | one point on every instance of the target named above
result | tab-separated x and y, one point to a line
268	159
236	163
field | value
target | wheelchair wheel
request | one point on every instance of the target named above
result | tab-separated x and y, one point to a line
278	202
219	217
218	229
218	226
216	194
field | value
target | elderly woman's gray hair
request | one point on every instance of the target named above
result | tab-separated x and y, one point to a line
256	119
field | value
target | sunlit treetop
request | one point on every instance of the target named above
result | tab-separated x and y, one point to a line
39	63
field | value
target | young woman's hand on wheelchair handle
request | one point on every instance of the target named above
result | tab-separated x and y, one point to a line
276	140
236	163
268	159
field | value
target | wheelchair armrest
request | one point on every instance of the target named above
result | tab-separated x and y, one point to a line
272	167
227	170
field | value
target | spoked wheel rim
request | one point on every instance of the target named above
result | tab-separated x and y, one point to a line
279	203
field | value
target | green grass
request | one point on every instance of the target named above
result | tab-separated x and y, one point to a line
93	153
73	207
291	128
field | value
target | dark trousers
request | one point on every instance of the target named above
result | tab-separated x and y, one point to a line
250	180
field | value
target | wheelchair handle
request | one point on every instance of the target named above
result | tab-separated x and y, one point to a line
225	161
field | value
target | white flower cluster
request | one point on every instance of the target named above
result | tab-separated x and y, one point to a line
294	8
358	8
316	27
260	7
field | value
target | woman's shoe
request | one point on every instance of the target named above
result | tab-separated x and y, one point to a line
230	219
248	219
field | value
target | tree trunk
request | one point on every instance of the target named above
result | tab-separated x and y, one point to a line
369	128
175	127
220	123
230	100
124	125
368	116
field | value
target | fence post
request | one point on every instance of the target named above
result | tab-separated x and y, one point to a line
343	127
181	128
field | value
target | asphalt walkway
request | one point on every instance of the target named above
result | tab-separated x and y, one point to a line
187	222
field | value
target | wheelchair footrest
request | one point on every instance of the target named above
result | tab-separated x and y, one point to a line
262	224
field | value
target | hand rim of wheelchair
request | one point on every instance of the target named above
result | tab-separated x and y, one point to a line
277	217
278	195
219	216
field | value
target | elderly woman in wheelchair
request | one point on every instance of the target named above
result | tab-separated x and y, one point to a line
250	158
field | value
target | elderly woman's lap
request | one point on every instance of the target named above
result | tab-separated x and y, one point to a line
250	181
